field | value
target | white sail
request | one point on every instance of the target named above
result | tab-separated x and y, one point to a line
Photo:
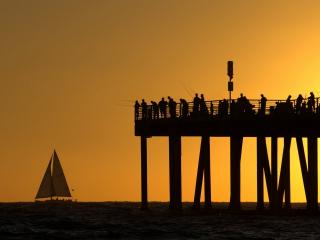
46	189
58	179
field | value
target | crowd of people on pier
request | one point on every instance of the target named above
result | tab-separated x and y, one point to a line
241	106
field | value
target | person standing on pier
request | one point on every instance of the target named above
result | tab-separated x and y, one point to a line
163	108
263	104
241	103
225	107
289	104
303	110
311	102
203	106
155	110
196	104
288	101
220	108
211	108
233	106
172	107
298	104
136	110
144	109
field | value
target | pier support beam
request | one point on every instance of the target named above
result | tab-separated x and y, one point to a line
275	192
304	169
274	174
310	172
313	172
260	156
203	169
262	166
284	181
175	172
144	176
235	160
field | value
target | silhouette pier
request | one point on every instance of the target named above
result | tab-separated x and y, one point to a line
287	119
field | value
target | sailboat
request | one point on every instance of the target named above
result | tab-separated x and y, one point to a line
54	183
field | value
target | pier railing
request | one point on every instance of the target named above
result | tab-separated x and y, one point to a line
223	108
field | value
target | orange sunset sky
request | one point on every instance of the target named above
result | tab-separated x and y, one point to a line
71	70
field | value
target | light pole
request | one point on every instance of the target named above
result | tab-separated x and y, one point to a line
230	83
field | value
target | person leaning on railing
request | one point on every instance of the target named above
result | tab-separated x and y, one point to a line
184	108
172	107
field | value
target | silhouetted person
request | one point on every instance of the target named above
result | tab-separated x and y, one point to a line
144	109
196	104
233	107
303	108
203	106
298	104
149	115
288	101
211	108
289	104
184	108
163	108
172	107
220	106
248	107
263	104
309	106
155	110
241	103
311	102
224	107
244	106
136	110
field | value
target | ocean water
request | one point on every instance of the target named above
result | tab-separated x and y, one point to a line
125	220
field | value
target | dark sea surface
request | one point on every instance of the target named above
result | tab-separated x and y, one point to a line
123	220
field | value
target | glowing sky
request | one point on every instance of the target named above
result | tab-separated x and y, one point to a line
70	71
